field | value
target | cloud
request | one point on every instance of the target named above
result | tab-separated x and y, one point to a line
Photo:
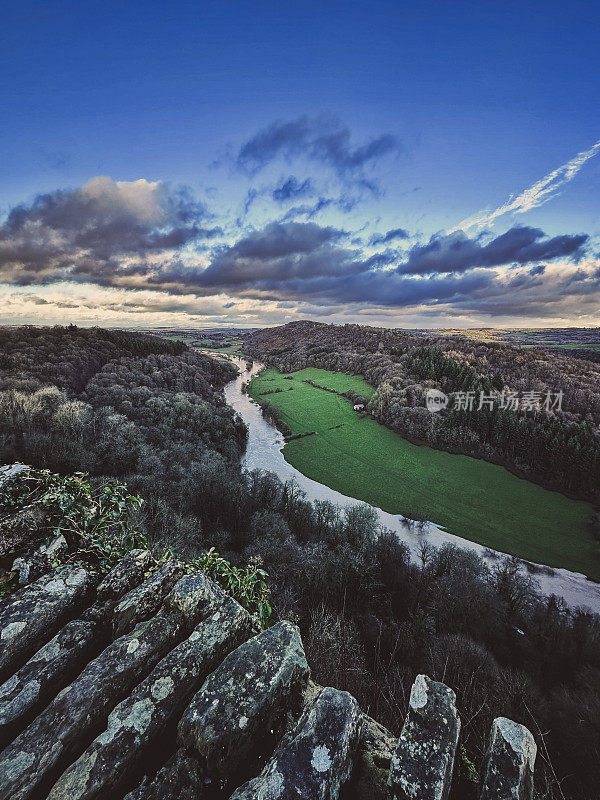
536	195
456	252
153	244
389	236
267	260
97	231
317	139
292	189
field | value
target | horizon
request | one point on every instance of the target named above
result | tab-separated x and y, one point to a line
403	167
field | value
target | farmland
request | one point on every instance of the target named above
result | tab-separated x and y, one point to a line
471	498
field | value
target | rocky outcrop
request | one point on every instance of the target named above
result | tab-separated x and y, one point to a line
159	686
145	600
140	719
38	610
423	761
241	708
316	758
63	657
511	757
41	561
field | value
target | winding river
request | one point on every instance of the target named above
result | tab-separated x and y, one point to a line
264	451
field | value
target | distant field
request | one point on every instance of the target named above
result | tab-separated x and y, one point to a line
471	498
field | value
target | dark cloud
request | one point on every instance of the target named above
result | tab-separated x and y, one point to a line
94	232
389	236
521	245
266	260
324	141
147	236
293	189
538	270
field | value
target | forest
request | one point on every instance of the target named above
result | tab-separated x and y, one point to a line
152	413
558	448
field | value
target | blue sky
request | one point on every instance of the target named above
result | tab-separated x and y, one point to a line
255	155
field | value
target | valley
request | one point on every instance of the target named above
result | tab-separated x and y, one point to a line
471	498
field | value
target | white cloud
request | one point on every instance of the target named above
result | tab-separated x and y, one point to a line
536	195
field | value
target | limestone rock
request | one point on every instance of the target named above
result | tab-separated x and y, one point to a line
22	529
511	757
32	567
194	593
239	710
9	471
60	732
49	670
127	574
423	761
32	615
145	600
142	717
372	763
179	779
59	661
313	761
63	727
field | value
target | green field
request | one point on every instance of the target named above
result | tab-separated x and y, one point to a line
471	498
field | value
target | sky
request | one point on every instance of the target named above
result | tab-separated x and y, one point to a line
245	164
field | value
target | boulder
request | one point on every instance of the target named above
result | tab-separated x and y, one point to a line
59	661
9	471
313	761
145	600
423	761
62	731
194	593
240	710
511	758
31	616
141	718
22	529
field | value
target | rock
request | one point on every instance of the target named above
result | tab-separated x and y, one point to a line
22	529
59	661
9	471
313	761
145	600
369	779
46	672
40	562
179	779
63	727
127	574
423	761
192	593
239	710
141	718
32	615
61	732
511	758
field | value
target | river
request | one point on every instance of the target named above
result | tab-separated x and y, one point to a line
264	451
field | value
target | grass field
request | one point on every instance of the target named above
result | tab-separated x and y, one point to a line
471	498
